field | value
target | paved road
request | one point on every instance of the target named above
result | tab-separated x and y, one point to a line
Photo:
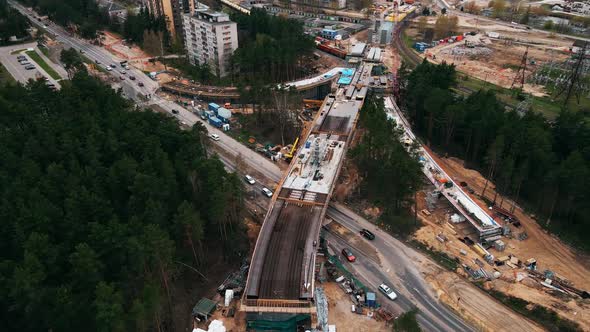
397	269
17	70
136	93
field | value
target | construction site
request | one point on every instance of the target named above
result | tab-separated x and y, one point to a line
498	244
498	53
282	273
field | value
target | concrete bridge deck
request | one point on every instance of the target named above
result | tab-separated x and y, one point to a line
282	269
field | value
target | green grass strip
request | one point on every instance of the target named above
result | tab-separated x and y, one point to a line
37	58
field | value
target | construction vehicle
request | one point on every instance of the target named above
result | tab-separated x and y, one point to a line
289	155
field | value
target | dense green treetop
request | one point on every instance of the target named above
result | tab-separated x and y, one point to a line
12	23
271	47
98	203
544	166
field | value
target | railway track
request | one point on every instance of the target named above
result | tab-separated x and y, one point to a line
412	58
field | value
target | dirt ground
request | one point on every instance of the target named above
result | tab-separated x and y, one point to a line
502	57
476	306
549	252
115	44
339	312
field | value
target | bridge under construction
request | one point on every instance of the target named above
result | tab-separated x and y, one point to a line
281	276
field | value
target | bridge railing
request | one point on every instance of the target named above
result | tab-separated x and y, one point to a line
277	303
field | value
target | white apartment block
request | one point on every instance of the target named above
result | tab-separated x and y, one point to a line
210	37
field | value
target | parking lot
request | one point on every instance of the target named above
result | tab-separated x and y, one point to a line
17	70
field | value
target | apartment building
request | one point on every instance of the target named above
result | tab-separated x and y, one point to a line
210	38
172	10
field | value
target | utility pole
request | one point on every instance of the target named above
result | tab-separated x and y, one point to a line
520	74
573	81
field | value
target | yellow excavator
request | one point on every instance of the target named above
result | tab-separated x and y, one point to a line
289	155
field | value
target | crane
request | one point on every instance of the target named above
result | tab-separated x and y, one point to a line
289	155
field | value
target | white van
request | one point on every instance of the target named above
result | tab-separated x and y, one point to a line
214	137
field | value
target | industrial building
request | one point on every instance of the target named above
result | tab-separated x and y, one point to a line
210	38
172	10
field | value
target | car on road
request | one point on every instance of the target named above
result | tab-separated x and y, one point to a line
97	62
109	68
122	77
348	254
140	84
214	137
367	234
132	78
81	51
123	72
249	179
174	111
388	291
114	65
126	67
267	192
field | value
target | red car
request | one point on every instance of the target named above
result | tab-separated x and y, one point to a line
348	254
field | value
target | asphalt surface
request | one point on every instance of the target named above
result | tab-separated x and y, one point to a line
398	269
17	70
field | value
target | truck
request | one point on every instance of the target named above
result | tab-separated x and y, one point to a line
215	122
213	107
224	114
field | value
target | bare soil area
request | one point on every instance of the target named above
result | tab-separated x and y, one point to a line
476	306
339	312
549	251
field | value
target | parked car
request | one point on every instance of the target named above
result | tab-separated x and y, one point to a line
348	254
140	84
174	111
214	137
132	78
97	62
249	179
367	234
267	192
29	67
387	291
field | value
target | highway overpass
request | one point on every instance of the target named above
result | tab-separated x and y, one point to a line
315	87
281	277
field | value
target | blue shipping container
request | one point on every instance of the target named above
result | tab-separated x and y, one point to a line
371	300
214	121
213	107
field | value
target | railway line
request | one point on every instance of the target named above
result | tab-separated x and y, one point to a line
411	58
